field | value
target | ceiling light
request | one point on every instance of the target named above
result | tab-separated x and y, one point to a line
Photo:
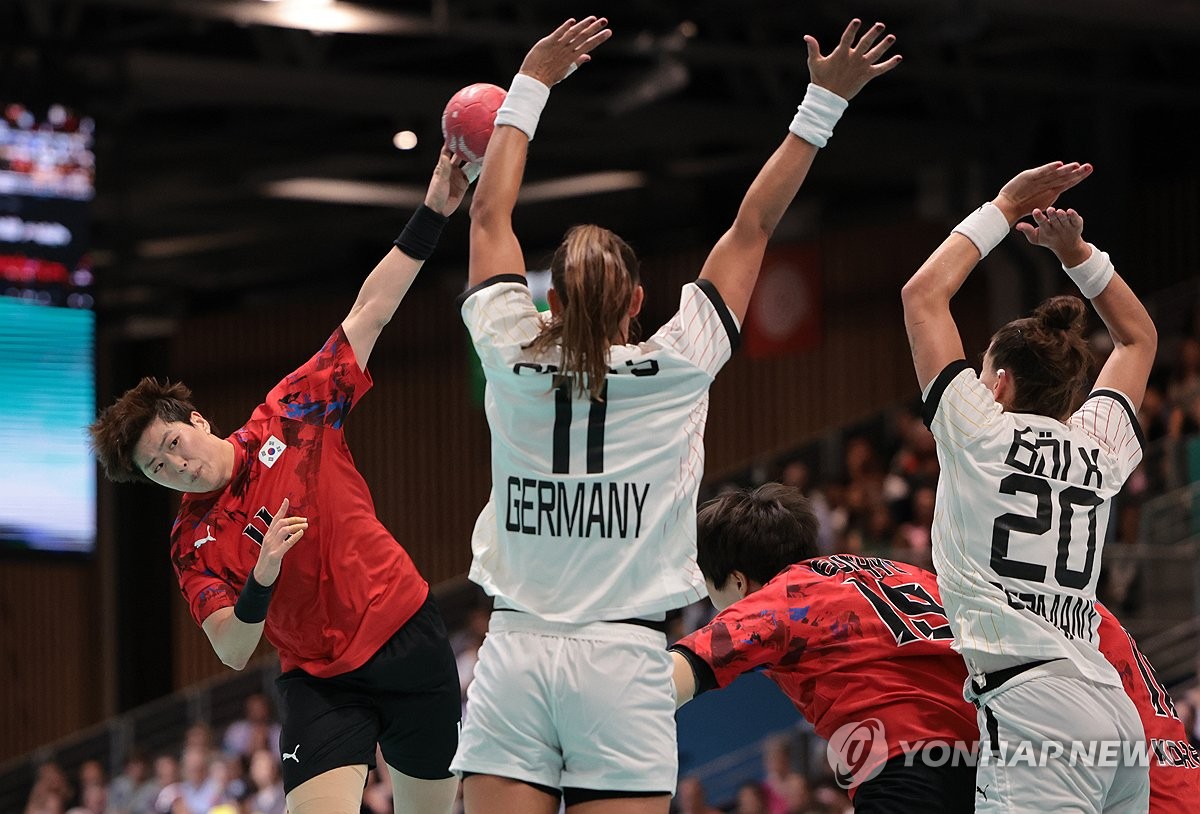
405	140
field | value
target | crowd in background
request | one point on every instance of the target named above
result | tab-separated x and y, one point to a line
872	487
239	774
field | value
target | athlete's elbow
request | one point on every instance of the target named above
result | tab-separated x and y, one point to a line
487	212
914	294
233	659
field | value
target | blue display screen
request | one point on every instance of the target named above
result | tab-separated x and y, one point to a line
47	332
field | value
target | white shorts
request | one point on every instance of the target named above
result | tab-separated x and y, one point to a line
1052	706
571	706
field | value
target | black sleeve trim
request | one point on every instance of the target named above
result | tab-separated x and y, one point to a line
714	296
1123	400
499	278
929	408
706	679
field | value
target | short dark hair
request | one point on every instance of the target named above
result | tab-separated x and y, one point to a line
116	432
1047	357
756	531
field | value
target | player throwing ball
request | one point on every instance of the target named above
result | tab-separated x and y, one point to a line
597	453
1023	504
277	535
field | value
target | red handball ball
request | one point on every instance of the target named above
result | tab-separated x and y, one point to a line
469	118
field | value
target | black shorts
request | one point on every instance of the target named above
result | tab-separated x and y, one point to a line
918	789
405	698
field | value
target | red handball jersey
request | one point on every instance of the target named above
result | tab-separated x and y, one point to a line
347	586
1174	762
847	639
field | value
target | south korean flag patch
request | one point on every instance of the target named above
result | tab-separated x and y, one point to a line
271	449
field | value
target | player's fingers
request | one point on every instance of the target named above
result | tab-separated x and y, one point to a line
574	32
289	541
561	31
848	35
814	49
868	38
283	507
880	49
884	67
591	42
1039	216
1029	231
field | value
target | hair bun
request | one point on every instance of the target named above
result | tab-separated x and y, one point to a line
1064	313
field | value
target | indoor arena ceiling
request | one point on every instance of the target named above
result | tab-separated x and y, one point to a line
245	146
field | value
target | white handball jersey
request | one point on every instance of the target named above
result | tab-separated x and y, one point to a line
1022	511
593	508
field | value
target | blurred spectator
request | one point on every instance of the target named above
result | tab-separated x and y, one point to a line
197	791
166	775
829	799
797	475
786	788
1184	387
751	799
266	783
914	539
690	798
51	791
257	730
133	790
199	734
91	773
93	799
872	531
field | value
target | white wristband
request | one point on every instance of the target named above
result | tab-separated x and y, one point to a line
523	105
1092	275
817	115
985	227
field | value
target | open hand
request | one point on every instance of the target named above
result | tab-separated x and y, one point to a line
850	66
1061	231
1038	188
283	533
554	56
448	185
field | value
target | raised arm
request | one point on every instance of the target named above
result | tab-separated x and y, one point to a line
932	333
494	246
1135	339
734	263
390	280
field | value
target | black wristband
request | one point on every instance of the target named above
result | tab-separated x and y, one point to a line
420	236
252	602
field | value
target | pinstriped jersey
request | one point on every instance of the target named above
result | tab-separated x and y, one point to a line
592	514
1022	513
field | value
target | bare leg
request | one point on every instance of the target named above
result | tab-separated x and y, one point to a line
659	804
337	791
487	794
411	795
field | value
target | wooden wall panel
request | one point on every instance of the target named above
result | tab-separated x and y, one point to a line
50	652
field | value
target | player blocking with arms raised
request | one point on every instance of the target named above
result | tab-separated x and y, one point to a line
277	536
572	691
1024	500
